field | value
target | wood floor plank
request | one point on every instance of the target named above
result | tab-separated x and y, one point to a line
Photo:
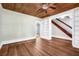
4	50
33	50
54	50
40	47
22	51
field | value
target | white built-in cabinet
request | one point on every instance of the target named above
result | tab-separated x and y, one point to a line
75	40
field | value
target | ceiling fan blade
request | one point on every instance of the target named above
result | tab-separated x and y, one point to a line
45	11
39	11
52	7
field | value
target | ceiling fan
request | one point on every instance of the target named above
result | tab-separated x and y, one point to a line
44	7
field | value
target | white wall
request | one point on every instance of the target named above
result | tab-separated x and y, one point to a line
57	32
16	26
0	23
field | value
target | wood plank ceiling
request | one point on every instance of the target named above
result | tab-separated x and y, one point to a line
33	8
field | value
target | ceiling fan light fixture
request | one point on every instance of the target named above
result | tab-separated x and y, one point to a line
45	6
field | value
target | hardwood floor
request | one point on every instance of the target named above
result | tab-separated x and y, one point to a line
40	47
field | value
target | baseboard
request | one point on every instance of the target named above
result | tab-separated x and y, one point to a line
43	37
1	45
55	37
16	40
75	46
62	37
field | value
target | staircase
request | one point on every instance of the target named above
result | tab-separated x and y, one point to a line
62	26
